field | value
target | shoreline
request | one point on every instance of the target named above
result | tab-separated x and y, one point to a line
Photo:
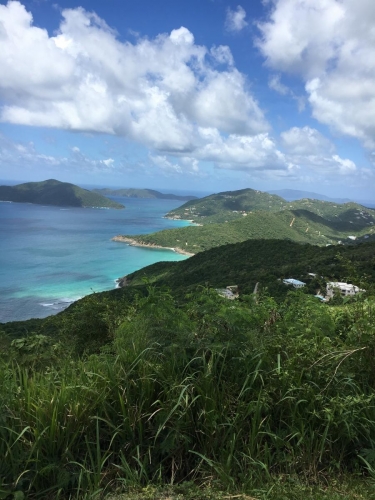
134	243
178	218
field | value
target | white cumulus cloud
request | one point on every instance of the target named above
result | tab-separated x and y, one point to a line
157	92
306	141
330	44
308	149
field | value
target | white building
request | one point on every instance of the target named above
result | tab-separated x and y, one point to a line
346	289
293	282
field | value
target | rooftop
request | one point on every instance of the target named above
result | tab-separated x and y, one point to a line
292	281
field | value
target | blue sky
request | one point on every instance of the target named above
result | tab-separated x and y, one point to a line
200	95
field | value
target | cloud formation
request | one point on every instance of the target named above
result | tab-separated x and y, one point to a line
184	102
158	92
330	44
308	149
236	19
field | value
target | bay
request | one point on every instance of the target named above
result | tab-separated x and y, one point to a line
51	256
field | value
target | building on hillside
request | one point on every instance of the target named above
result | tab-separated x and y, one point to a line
230	292
294	283
346	289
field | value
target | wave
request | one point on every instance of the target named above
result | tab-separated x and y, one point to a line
60	304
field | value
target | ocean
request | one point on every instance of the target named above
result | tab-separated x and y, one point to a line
51	256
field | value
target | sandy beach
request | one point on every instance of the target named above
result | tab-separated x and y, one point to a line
136	243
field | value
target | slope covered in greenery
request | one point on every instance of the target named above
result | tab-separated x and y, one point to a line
255	396
227	205
266	262
164	382
53	192
230	205
142	193
297	225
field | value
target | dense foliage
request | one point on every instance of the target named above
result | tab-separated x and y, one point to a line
235	394
52	192
164	381
266	262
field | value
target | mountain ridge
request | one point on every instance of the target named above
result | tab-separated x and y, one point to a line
296	194
231	205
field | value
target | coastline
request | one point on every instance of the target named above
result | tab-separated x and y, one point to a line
177	217
134	243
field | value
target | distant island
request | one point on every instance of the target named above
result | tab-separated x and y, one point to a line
53	192
294	194
143	193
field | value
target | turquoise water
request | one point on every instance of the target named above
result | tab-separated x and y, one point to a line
51	256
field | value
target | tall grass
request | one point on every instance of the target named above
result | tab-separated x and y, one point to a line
207	393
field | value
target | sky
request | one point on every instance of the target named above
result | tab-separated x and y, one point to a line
200	95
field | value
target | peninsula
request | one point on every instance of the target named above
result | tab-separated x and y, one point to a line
53	192
139	243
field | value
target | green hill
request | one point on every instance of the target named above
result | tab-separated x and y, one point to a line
143	386
227	205
298	225
142	193
52	192
263	261
231	205
243	264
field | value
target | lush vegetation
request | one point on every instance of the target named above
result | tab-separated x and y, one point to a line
271	395
248	396
142	193
52	192
299	225
266	262
230	205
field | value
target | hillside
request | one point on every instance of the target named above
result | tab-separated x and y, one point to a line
231	205
244	264
142	193
265	393
298	225
263	261
227	205
53	192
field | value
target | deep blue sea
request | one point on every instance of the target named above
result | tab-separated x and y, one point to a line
51	256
